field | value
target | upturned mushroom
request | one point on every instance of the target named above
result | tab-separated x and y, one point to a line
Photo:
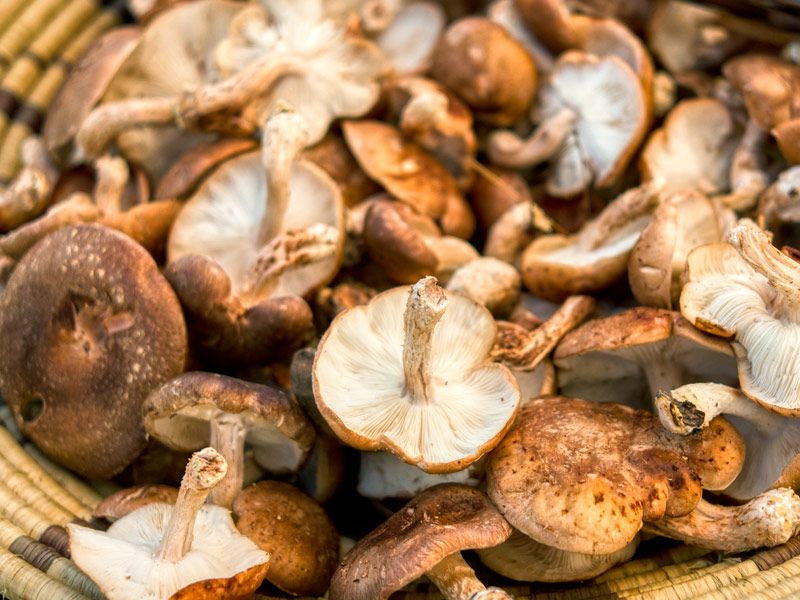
593	115
747	290
424	538
632	356
191	550
90	328
198	409
773	440
584	476
385	378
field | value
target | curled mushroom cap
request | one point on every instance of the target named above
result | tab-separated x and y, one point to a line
583	477
385	378
747	289
127	500
487	68
773	440
632	356
90	328
296	533
438	524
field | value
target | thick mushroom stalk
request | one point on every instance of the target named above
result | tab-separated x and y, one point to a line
748	176
457	581
205	470
228	434
508	150
767	520
425	307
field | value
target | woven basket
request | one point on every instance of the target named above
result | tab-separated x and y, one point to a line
40	40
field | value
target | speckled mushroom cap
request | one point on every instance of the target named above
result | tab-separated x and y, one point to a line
584	476
178	414
440	521
631	356
294	530
89	328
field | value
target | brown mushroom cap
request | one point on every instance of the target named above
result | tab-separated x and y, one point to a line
296	533
583	476
487	68
440	521
550	22
178	415
631	356
90	328
125	501
333	157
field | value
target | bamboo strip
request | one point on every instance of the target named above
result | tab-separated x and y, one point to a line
679	554
37	499
709	571
26	26
21	581
31	521
76	487
9	11
759	582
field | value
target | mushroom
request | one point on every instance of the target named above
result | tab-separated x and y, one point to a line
333	157
593	115
693	149
506	14
384	378
197	409
424	538
683	221
190	550
524	559
409	41
29	194
555	266
125	501
773	440
632	356
487	68
550	21
489	282
779	210
583	477
770	519
294	531
747	289
90	327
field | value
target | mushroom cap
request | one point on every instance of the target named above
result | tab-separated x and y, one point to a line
121	560
408	172
487	68
604	359
524	559
90	328
550	21
125	501
332	156
726	296
441	521
787	134
409	41
490	282
769	86
87	83
222	221
693	148
582	476
611	117
294	531
178	415
360	389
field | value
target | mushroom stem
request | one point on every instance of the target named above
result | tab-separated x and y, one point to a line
285	136
457	581
206	469
112	178
508	150
634	203
663	375
767	520
425	306
510	233
748	179
228	433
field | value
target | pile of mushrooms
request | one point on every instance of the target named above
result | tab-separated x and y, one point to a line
426	294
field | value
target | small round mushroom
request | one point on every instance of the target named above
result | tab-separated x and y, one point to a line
90	327
682	222
632	356
197	409
487	68
191	550
773	440
424	538
583	476
747	289
385	378
488	281
294	531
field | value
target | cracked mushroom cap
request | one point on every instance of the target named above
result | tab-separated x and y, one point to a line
693	149
583	476
442	414
90	327
632	356
294	530
747	289
222	221
439	522
178	414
